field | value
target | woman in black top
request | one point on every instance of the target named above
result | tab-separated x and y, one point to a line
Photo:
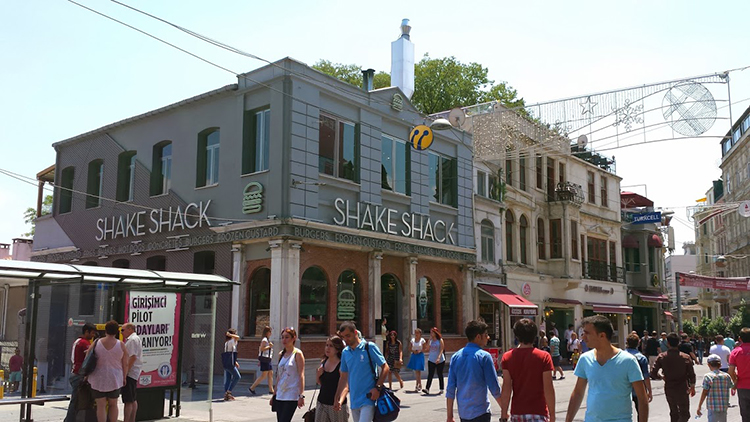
328	378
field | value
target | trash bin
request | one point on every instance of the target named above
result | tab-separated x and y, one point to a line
150	404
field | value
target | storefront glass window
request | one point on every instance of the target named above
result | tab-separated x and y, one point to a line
347	297
390	299
425	311
448	308
312	302
259	301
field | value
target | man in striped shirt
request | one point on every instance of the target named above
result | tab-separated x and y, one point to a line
716	387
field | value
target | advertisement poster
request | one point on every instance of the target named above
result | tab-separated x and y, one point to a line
156	317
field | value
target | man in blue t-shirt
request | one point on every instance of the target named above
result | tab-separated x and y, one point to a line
358	362
611	375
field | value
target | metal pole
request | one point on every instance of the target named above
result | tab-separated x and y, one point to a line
211	358
679	302
179	355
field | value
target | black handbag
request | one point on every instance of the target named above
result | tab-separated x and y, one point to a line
309	416
387	405
89	363
85	398
274	407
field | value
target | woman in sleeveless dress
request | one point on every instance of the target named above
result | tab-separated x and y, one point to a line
416	360
394	358
110	372
290	378
265	355
328	378
436	359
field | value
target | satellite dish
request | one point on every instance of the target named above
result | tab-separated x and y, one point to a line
457	117
583	140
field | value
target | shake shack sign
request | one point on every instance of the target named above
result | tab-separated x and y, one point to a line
387	220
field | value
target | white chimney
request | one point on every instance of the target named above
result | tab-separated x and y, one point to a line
402	61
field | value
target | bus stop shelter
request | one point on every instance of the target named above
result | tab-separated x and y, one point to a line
125	295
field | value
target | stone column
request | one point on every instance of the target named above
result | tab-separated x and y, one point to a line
409	309
375	309
285	283
469	301
238	275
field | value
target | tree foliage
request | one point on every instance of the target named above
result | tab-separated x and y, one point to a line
703	329
740	319
439	84
30	214
717	326
689	328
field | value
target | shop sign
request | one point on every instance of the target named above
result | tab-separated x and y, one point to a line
523	311
157	318
397	102
422	289
648	217
252	201
385	220
598	289
526	289
158	221
346	305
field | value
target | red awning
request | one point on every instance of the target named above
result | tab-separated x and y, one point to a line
518	305
606	308
630	241
651	296
668	314
633	200
563	301
655	241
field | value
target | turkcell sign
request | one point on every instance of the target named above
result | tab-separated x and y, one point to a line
649	217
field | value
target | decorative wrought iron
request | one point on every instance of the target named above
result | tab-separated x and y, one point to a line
568	192
596	270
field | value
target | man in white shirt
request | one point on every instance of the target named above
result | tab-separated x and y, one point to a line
567	334
722	351
135	354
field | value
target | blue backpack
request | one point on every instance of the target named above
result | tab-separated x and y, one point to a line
387	405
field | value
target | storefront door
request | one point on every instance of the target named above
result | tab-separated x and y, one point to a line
390	303
644	319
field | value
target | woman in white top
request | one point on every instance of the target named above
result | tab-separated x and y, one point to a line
290	378
229	362
110	372
265	356
416	361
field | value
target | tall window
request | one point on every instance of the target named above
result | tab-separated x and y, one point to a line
66	189
509	220
256	140
494	187
207	168
523	233
259	303
488	241
395	163
157	263
313	302
126	176
444	179
425	305
161	168
522	174
94	184
448	308
555	236
540	241
509	172
592	191
604	191
539	172
550	177
561	173
348	297
481	183
574	239
338	153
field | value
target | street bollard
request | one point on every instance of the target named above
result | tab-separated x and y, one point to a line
41	387
192	377
2	384
33	384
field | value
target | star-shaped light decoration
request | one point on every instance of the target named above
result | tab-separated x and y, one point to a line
588	106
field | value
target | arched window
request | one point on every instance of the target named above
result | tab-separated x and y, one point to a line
448	308
523	232
157	263
161	168
121	263
312	302
540	243
95	183
425	305
509	220
347	297
488	241
66	189
259	303
207	166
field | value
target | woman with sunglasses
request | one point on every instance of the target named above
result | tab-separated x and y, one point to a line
436	359
328	378
290	378
394	356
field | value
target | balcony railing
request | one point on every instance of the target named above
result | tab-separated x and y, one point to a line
597	270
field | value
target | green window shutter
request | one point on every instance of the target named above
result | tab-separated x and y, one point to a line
156	182
249	128
200	165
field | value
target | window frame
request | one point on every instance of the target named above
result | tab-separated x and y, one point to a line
437	188
509	222
321	328
95	182
551	177
555	238
523	235
482	183
487	238
574	239
252	149
591	184
541	241
337	148
126	165
161	169
396	144
509	172
604	192
522	174
67	178
208	158
539	168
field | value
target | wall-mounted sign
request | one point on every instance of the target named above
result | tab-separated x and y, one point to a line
744	208
397	102
422	289
599	289
385	220
346	305
648	217
526	289
252	200
523	311
158	221
156	317
421	137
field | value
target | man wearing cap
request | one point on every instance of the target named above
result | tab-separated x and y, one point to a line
716	387
739	370
679	379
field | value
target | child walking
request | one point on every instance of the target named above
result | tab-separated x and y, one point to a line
716	386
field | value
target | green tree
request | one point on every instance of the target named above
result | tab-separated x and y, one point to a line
717	326
351	73
740	319
689	328
703	330
30	214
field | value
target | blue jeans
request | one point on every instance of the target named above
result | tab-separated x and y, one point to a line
700	355
231	378
716	416
75	381
363	414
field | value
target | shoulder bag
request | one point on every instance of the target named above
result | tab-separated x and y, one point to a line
262	355
309	416
89	363
387	405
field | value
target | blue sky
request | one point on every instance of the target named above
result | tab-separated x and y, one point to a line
67	71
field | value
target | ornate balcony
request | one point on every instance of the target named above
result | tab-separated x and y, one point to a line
596	270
